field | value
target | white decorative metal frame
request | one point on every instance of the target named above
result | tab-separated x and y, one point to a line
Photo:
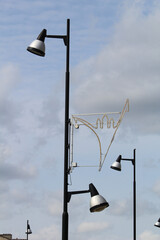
78	120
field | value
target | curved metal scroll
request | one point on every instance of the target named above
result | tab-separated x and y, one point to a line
77	120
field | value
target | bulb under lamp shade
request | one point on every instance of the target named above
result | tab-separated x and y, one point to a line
117	164
97	203
38	46
157	224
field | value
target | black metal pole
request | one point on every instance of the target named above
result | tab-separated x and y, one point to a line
134	191
27	228
134	194
66	140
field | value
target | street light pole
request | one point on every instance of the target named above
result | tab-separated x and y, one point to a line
66	140
117	166
98	203
38	47
134	194
28	229
66	39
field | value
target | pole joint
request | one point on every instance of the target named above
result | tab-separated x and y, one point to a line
65	40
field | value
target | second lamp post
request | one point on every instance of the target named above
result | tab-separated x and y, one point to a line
117	166
28	229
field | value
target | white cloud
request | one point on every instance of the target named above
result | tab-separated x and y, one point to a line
55	206
124	208
92	226
156	188
9	111
145	207
148	235
128	67
121	207
48	233
10	76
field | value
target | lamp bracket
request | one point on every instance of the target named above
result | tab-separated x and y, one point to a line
74	193
64	37
127	159
56	36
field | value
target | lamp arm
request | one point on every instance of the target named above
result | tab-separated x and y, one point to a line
76	192
56	36
129	159
64	37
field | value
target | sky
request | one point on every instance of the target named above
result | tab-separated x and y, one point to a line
114	56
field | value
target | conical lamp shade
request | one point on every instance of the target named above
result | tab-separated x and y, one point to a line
97	203
117	164
157	224
37	46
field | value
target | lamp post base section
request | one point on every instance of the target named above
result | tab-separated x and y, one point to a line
65	226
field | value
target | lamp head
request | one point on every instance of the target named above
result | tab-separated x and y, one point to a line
97	203
37	46
28	228
117	164
157	224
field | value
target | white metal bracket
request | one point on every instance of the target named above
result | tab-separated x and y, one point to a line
79	119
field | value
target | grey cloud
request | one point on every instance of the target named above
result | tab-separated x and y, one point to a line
9	113
14	172
50	110
15	200
4	187
28	198
92	226
51	117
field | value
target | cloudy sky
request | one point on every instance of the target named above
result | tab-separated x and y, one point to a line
114	55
